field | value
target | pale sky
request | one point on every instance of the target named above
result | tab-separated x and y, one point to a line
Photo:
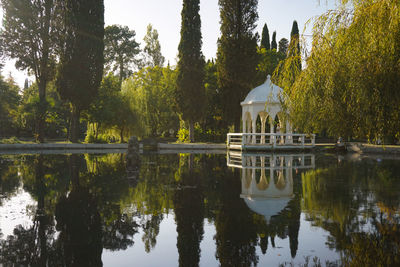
164	15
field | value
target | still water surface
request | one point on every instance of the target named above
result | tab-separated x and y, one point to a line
199	210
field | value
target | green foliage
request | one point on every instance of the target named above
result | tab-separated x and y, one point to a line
81	62
190	95
11	140
273	42
183	135
30	34
110	112
93	137
283	46
9	101
120	50
152	48
57	112
269	61
212	128
265	38
349	87
294	45
150	93
237	57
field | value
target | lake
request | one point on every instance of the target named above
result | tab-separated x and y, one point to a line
200	210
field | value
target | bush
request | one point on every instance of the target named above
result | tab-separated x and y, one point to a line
208	135
11	140
183	135
101	139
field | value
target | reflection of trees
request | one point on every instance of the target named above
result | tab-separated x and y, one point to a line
32	246
381	246
189	212
152	196
343	200
86	205
293	217
151	228
9	180
236	236
79	223
106	179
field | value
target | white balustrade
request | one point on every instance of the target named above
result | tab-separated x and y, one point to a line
274	140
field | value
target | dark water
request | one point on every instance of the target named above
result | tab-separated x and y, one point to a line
191	210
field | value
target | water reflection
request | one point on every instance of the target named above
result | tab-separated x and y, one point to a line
86	209
75	215
268	190
189	212
358	203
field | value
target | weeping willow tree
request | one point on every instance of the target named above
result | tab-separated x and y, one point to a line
350	84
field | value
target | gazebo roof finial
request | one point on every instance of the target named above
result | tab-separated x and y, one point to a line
263	93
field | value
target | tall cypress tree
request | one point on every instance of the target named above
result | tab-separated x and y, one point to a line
294	45
237	55
81	62
274	45
190	93
265	38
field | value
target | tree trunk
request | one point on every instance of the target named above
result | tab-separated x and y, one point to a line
74	129
68	127
121	73
74	170
41	116
40	214
97	129
42	75
121	134
191	131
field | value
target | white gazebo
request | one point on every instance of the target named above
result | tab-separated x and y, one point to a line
265	123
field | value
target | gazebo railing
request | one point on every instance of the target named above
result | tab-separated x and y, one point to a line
270	161
270	139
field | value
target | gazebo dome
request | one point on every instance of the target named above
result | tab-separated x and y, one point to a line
267	207
263	93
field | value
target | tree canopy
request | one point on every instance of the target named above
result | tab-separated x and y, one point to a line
190	93
283	45
273	42
265	38
152	48
350	85
33	49
120	49
237	57
81	62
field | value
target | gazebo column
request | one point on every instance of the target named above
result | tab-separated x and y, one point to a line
263	119
272	138
254	126
244	127
289	139
249	130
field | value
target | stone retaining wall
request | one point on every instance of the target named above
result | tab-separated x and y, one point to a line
373	149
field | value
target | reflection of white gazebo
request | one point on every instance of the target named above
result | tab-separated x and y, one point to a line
267	179
265	123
